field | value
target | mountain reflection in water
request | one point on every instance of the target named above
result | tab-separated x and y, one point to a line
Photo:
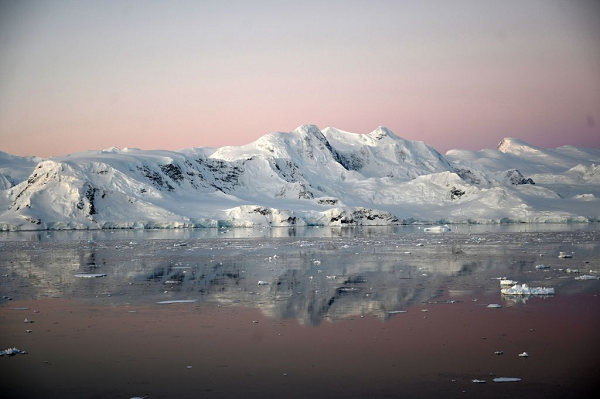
312	276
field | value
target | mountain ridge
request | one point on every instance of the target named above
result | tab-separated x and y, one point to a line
305	177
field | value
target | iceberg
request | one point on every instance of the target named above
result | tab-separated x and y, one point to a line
524	289
12	352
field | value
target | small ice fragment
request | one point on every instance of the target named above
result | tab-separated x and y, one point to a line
508	282
396	311
506	379
541	267
478	381
330	277
524	354
424	310
261	282
90	275
420	245
499	353
177	301
28	331
564	255
572	271
316	262
494	305
437	229
19	308
172	282
407	252
255	321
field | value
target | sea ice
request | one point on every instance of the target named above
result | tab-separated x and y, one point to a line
177	301
564	255
494	305
90	275
508	282
586	277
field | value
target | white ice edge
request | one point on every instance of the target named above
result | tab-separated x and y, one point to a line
177	301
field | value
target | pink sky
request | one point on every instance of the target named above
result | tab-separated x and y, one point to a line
171	75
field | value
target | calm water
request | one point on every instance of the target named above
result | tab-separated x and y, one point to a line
353	312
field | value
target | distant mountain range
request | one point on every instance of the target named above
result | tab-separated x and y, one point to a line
305	177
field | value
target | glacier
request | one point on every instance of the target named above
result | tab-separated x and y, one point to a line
307	177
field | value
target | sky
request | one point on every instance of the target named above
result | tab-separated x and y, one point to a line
79	75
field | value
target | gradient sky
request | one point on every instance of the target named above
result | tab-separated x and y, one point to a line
77	75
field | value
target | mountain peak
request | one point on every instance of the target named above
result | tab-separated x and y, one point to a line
381	132
309	129
515	146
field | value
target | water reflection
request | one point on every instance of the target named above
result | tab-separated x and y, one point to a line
340	274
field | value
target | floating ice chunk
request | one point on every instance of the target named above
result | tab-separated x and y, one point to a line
437	229
476	381
564	255
261	282
524	289
12	352
572	271
494	305
181	244
177	301
524	354
499	353
397	311
90	275
506	379
316	262
586	277
542	267
508	282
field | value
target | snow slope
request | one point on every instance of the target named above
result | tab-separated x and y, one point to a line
304	177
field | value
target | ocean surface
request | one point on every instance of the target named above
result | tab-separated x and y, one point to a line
371	312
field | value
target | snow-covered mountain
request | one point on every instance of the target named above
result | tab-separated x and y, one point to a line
305	177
